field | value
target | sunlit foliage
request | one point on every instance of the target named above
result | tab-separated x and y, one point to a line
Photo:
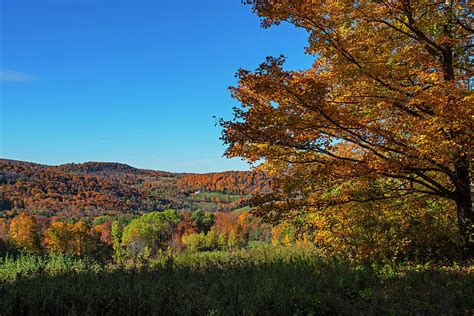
24	232
145	236
67	238
385	112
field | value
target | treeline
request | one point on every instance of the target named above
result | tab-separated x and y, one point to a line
371	233
133	238
236	182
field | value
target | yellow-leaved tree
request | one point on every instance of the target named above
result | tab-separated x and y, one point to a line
24	232
75	238
385	112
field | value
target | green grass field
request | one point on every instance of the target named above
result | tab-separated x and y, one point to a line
241	209
260	281
207	196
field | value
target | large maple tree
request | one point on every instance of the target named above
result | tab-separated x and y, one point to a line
385	111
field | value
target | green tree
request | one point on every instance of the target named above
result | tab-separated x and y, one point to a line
145	236
204	220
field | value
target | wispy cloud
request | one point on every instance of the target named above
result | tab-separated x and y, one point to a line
7	75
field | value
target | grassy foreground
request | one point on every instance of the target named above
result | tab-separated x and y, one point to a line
268	281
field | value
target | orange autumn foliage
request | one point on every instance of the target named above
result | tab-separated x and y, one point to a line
103	232
385	112
24	232
237	182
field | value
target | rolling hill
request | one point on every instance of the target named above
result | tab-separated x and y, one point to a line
106	188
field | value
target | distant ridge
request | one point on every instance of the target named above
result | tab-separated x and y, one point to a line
93	166
111	188
100	167
20	162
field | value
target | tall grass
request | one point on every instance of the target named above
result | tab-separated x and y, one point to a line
268	281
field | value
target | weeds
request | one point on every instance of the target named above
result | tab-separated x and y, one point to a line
265	280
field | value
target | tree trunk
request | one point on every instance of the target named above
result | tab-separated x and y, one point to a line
464	193
464	203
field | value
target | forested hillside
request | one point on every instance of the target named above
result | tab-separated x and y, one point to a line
235	182
103	188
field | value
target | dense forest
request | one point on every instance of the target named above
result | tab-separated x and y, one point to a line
93	189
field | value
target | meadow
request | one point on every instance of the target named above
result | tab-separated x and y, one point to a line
266	280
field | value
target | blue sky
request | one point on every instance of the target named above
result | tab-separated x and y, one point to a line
136	82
